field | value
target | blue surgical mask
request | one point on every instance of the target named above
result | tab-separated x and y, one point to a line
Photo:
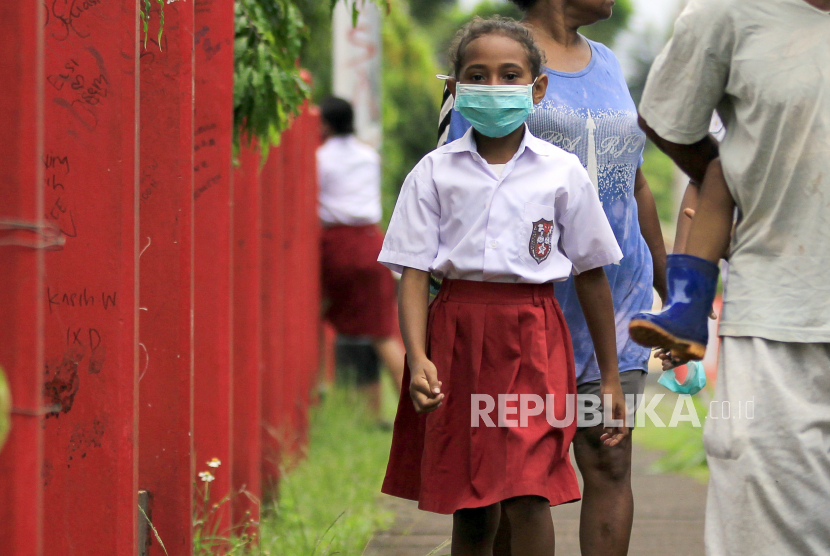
494	110
694	383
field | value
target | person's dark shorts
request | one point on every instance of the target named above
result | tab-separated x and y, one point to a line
357	361
633	385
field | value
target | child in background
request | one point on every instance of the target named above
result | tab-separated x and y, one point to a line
499	215
358	293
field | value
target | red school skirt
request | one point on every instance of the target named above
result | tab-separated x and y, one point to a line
360	292
487	338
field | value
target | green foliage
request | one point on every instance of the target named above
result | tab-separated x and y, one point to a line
412	97
144	7
328	503
268	89
426	11
659	171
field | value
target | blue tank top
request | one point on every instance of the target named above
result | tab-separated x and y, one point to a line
591	114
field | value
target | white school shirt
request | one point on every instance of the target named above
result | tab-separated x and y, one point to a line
457	219
348	175
765	66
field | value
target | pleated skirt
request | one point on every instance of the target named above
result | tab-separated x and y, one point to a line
489	339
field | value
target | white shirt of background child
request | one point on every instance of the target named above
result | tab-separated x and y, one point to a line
456	218
348	174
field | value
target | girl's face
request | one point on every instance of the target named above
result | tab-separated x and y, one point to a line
498	60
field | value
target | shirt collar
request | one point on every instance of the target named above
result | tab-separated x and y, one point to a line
467	143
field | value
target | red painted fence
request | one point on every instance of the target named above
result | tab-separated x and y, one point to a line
160	305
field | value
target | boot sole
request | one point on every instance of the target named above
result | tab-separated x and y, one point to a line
651	335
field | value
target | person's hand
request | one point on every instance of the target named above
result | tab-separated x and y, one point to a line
667	359
614	435
424	386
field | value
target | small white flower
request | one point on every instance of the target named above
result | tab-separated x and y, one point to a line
214	463
206	476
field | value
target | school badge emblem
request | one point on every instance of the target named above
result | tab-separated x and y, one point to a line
540	240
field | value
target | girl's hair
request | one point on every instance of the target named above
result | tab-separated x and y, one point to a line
497	25
524	5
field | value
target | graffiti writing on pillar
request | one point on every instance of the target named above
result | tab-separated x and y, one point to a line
205	151
69	17
82	87
85	438
57	202
203	6
80	298
201	39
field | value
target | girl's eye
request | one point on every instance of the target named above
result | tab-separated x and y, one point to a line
511	77
478	77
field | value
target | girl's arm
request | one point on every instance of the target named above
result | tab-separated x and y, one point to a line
594	295
413	304
652	233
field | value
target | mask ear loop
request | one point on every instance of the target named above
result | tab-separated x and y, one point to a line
442	77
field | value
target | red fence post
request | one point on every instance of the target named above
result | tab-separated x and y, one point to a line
247	318
166	281
273	289
213	365
90	178
301	244
21	281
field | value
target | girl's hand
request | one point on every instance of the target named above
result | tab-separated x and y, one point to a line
424	386
614	435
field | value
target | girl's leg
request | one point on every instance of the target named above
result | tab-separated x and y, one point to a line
711	227
531	526
473	531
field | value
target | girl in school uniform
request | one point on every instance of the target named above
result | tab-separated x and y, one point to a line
499	215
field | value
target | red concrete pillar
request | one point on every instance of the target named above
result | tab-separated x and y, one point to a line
21	281
166	281
213	384
247	349
274	271
90	178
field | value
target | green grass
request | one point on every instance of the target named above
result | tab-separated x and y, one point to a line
328	503
681	446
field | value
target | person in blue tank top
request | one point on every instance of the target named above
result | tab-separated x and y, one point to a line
588	111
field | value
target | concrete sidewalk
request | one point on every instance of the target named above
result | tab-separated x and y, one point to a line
668	519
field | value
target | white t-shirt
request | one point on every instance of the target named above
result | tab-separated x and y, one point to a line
765	66
458	219
348	174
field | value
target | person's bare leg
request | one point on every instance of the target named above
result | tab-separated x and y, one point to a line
531	526
371	393
392	354
607	499
711	227
473	531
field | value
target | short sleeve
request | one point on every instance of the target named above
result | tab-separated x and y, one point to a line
688	79
585	236
412	236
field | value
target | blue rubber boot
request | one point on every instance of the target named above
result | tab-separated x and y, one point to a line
683	324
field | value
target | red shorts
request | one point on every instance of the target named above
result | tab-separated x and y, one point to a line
360	291
487	338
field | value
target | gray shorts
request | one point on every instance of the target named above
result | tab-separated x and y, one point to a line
633	385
